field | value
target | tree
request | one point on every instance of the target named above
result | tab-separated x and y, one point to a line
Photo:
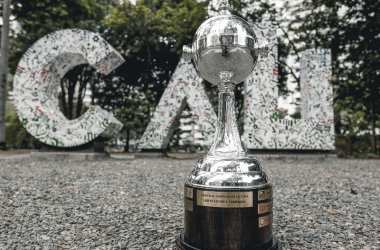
4	70
131	107
136	115
350	29
73	90
364	53
150	36
17	136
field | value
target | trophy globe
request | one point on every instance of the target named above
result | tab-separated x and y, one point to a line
228	198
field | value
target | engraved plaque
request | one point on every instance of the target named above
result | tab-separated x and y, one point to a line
188	192
264	194
189	205
265	207
224	199
265	220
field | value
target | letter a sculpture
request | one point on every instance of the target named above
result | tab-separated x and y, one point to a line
228	198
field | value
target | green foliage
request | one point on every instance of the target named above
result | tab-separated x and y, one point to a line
361	145
16	135
135	112
282	113
73	90
108	4
150	35
296	114
354	145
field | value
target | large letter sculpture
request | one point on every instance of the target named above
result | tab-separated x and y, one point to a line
185	84
37	81
316	87
262	127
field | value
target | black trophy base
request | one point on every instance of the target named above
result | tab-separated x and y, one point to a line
274	244
226	218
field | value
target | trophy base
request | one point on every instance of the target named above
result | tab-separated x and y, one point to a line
274	244
228	218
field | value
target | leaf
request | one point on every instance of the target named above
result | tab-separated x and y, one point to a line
331	212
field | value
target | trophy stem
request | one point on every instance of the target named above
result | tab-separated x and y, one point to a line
227	139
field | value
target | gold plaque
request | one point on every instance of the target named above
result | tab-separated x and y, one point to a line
224	199
265	207
264	194
189	205
265	220
188	192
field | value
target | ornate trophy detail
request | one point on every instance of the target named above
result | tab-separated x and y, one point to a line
228	199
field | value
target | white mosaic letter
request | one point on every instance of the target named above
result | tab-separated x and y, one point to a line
262	127
316	85
184	86
37	81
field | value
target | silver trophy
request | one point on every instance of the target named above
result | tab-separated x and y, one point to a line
228	199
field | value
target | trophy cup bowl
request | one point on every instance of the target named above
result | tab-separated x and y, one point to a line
228	198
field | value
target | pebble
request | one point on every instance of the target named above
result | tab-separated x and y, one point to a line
137	204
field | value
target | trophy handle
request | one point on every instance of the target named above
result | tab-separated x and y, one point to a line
262	48
224	8
187	53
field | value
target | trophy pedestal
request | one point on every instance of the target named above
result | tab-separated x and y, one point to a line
228	219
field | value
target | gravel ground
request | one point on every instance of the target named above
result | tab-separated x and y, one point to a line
137	204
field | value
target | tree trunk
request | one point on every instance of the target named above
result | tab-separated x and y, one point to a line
63	98
335	44
4	70
71	91
373	139
126	148
95	79
82	90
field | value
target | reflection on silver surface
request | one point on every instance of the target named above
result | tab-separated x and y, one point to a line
186	53
225	51
229	36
